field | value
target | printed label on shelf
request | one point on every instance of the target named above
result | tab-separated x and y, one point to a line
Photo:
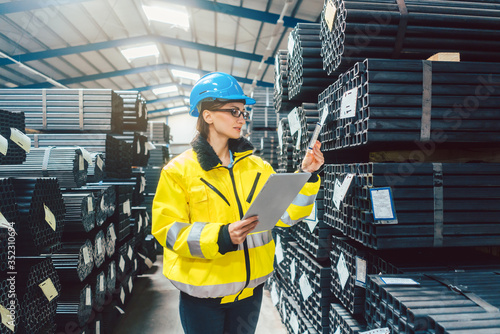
112	233
49	217
280	136
88	298
384	330
99	162
101	283
126	207
86	155
7	318
48	289
399	281
97	327
81	164
122	295
121	264
324	115
120	310
299	139
20	139
291	45
340	191
4	223
342	270
294	323
274	295
86	256
348	104
305	286
312	219
90	204
130	285
330	13
293	121
4	145
382	204
279	250
130	252
360	272
292	270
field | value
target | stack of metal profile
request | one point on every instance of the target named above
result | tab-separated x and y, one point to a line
135	114
139	147
105	200
9	211
158	132
461	302
99	249
74	262
263	116
95	172
313	234
9	302
125	256
110	239
11	126
285	151
99	288
147	254
435	204
342	322
265	143
306	77
38	289
67	164
67	110
354	30
159	156
140	222
398	103
308	116
80	213
110	277
280	81
41	215
74	306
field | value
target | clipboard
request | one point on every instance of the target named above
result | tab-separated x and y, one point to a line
275	197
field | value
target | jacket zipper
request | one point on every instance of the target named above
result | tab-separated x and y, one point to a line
250	196
215	190
245	244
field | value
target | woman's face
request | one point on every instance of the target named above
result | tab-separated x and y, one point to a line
223	123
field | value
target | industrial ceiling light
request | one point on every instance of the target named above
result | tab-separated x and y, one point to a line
175	15
185	74
165	90
140	51
178	109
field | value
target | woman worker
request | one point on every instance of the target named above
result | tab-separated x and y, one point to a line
201	198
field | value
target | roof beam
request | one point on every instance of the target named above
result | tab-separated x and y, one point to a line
27	5
136	70
132	41
168	99
243	12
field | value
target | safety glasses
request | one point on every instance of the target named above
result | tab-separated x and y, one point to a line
235	112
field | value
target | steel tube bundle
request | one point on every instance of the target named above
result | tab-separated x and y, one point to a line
308	116
99	288
105	203
402	102
464	302
67	164
37	303
280	98
265	143
139	148
159	156
407	29
41	215
158	132
14	153
138	175
343	322
99	248
95	172
436	205
135	114
80	213
75	261
111	277
74	306
86	110
306	78
140	223
285	152
263	117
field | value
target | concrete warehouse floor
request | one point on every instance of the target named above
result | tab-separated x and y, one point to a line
154	308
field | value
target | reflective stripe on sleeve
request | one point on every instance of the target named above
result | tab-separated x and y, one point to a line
194	238
173	233
287	220
303	200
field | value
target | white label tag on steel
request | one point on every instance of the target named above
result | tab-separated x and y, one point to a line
112	271
3	222
305	286
48	289
138	148
382	205
81	164
324	115
122	295
293	121
20	139
294	323
337	331
139	223
103	208
99	246
398	281
337	198
90	204
148	262
360	272
130	252
7	318
330	13
291	45
97	327
99	162
88	298
341	190
299	140
120	310
279	250
280	136
86	256
384	330
312	219
130	285
348	104
121	264
342	271
4	145
292	270
135	264
274	295
150	146
101	283
86	155
49	217
126	207
112	233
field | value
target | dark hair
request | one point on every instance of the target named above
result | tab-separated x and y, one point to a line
202	125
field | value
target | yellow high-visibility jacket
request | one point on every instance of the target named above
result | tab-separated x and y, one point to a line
195	201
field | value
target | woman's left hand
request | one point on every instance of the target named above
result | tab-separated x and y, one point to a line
314	159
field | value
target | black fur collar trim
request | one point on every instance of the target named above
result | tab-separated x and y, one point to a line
206	154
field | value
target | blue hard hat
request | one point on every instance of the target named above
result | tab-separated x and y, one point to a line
216	85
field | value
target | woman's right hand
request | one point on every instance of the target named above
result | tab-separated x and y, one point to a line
238	230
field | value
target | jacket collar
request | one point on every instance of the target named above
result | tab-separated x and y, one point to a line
206	154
